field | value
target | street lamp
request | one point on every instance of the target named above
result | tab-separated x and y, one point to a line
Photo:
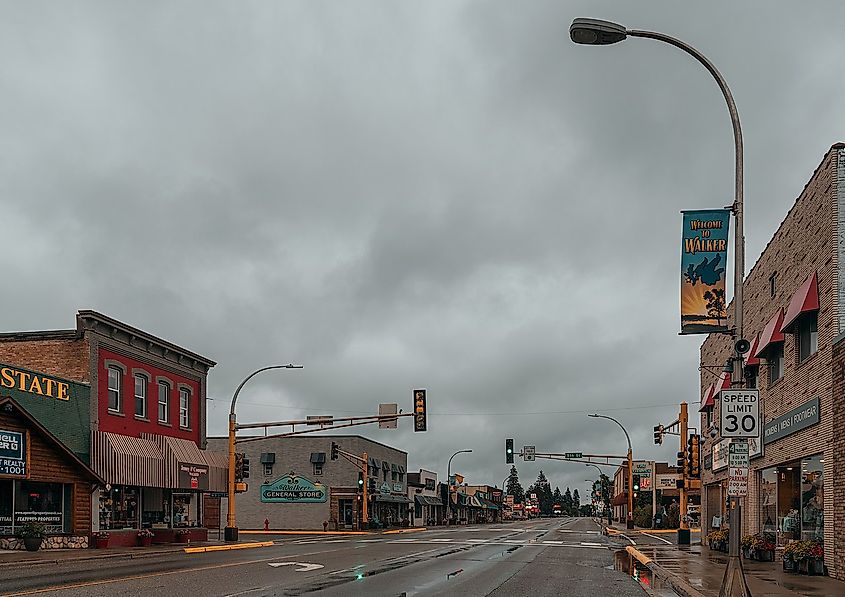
449	475
629	521
598	32
231	531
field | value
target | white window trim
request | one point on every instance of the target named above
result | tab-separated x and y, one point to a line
159	384
184	410
146	386
110	389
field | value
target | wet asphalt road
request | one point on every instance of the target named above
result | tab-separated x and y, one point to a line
539	557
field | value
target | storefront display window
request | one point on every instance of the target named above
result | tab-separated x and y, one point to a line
186	509
6	507
156	508
812	498
41	502
119	508
768	500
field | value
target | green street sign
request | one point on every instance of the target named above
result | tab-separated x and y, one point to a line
573	455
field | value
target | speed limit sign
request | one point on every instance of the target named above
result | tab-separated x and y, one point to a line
740	413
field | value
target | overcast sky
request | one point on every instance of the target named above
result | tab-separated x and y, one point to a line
447	195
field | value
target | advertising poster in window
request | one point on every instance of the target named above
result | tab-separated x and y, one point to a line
704	254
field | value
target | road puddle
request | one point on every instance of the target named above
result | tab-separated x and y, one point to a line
626	563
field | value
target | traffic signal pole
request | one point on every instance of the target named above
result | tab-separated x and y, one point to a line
364	514
683	531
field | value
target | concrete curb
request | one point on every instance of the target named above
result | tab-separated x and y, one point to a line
208	548
107	556
675	582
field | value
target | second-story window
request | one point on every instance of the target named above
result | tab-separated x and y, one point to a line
808	335
140	396
163	402
115	376
184	408
774	359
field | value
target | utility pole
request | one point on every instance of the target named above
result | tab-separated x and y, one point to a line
653	490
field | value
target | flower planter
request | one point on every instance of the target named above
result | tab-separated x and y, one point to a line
145	541
101	543
183	538
765	555
789	565
32	543
811	566
748	554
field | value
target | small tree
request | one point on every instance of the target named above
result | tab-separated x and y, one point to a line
514	488
576	502
567	502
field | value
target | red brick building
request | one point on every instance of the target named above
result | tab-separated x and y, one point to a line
794	322
147	416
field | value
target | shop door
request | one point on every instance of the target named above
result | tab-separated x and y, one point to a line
345	507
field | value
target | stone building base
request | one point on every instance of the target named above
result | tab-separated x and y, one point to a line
57	542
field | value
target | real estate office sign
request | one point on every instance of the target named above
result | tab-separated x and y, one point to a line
12	453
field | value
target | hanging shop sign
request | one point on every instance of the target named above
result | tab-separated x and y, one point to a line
704	253
293	488
667	481
795	420
642	468
192	476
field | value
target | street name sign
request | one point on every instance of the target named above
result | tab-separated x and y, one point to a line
740	413
573	455
528	453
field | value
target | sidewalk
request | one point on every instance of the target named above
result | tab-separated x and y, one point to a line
703	569
14	558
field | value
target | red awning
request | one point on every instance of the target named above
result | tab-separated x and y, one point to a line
771	333
805	299
707	401
620	499
750	359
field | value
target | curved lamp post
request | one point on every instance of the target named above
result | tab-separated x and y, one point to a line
231	531
449	475
600	33
630	518
601	474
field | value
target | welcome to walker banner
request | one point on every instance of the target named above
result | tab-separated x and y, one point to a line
704	254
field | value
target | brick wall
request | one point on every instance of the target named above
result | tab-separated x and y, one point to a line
836	560
66	358
805	242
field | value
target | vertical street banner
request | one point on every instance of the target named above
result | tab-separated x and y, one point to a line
704	255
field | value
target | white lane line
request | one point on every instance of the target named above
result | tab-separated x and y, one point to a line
477	540
588	544
517	542
370	540
441	540
656	537
628	538
552	542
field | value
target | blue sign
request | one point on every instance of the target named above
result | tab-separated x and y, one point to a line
12	453
293	489
704	253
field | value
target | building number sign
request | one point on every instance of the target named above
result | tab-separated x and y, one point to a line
740	413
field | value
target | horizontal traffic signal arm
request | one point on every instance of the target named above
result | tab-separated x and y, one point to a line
585	458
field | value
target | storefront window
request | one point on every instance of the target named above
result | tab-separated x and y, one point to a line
186	509
119	508
768	500
156	508
40	502
812	498
6	507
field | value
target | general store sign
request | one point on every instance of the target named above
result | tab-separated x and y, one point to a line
12	453
795	420
294	489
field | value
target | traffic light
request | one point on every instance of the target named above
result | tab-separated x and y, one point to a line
360	481
420	420
693	456
682	461
658	435
636	480
239	467
509	451
371	485
244	467
335	449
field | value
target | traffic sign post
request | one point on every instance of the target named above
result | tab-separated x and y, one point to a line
528	453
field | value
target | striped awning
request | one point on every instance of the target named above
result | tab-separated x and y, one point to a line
176	451
218	470
126	460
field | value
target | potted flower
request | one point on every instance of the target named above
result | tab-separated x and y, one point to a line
182	536
764	547
101	539
813	561
747	544
718	540
792	554
145	537
33	534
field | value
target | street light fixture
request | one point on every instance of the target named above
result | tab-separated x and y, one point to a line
231	531
598	32
449	474
629	521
